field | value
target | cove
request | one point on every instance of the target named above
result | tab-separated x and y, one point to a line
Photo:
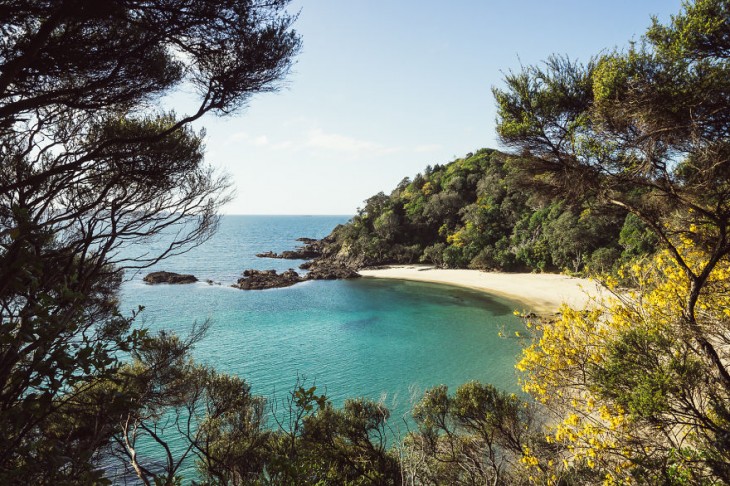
372	338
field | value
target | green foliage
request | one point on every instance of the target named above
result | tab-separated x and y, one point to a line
637	376
636	239
90	166
319	444
478	212
700	32
476	436
644	130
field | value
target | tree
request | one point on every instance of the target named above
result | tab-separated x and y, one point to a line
632	396
640	387
179	411
317	443
92	163
645	130
479	435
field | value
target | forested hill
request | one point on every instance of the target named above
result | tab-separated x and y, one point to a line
481	212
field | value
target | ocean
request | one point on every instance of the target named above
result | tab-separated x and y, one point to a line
382	339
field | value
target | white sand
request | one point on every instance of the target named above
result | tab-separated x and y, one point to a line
537	292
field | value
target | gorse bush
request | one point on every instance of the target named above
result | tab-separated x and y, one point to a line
633	396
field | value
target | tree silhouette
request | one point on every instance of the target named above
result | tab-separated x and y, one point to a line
93	164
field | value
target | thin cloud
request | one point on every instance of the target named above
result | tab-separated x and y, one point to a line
285	145
239	136
258	140
317	138
434	147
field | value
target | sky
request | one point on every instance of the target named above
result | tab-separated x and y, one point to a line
383	88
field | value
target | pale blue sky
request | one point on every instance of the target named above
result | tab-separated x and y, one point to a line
383	88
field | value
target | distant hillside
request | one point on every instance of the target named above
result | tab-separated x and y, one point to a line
481	212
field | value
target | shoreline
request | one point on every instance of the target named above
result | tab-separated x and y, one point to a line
540	293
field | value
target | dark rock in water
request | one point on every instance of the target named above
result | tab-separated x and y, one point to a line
304	253
320	266
311	249
267	279
325	270
298	254
270	279
169	277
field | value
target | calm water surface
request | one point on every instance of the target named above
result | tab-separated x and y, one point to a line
366	337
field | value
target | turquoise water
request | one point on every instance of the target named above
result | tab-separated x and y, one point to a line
380	339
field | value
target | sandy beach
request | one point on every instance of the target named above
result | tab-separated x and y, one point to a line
536	292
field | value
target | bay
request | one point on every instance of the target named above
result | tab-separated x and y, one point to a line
372	338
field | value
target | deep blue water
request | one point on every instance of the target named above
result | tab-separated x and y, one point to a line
365	337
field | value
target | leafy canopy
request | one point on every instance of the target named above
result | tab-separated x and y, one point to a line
91	164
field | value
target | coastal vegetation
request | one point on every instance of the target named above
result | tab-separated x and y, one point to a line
483	211
640	386
618	167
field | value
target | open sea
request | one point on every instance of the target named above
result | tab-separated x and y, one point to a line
381	339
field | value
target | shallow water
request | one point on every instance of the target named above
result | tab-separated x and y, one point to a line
381	339
355	338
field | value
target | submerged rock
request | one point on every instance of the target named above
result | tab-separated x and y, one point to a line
267	279
169	278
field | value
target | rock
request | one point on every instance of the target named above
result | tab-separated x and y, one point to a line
325	270
320	266
267	279
311	249
298	254
169	277
268	254
270	279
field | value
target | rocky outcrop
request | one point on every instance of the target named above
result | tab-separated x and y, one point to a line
311	249
267	279
270	279
169	278
321	266
334	252
326	270
326	250
298	254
